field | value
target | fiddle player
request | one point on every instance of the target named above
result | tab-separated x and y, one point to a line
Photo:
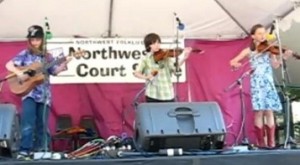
264	97
35	108
160	89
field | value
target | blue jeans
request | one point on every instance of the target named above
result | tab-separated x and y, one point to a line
34	123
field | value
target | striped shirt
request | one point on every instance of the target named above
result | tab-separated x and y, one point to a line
161	88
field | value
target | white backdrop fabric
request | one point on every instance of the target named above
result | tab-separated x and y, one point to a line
135	18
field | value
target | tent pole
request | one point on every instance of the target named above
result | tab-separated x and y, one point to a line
232	17
110	18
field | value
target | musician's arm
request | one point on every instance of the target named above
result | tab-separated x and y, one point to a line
186	52
244	53
10	66
173	65
236	61
275	62
139	72
18	60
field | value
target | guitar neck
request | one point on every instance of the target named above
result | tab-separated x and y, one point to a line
63	59
56	62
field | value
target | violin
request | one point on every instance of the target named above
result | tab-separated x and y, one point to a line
165	53
72	131
274	49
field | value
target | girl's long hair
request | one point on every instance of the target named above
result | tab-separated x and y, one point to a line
252	32
33	50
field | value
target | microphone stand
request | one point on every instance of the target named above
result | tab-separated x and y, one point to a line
177	69
288	138
137	97
180	26
239	82
46	94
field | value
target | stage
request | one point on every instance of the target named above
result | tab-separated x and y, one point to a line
267	157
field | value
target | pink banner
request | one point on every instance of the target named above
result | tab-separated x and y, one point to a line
208	74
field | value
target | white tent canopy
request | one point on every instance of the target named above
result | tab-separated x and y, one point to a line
135	18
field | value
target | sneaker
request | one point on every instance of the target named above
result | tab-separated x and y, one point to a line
24	156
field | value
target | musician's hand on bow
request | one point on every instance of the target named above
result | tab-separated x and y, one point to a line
235	64
149	77
187	52
276	63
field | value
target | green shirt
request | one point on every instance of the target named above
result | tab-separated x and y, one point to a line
161	88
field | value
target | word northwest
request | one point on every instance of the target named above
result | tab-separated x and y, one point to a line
110	53
85	70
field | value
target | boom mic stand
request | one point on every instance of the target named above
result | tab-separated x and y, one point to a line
239	82
138	95
288	139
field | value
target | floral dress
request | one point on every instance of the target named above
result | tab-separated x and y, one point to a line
263	92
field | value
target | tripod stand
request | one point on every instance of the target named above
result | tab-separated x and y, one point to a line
239	82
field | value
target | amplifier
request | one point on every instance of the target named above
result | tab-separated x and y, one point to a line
195	125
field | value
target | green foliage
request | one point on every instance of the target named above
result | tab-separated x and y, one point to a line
293	93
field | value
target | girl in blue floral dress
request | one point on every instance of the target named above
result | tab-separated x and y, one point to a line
264	97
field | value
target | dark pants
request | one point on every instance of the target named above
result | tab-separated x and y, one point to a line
34	123
151	100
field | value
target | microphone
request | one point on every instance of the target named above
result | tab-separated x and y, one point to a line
271	36
272	28
48	32
180	24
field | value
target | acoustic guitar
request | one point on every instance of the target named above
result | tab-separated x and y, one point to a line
36	75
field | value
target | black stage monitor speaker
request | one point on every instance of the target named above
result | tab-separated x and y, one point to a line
196	125
9	130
